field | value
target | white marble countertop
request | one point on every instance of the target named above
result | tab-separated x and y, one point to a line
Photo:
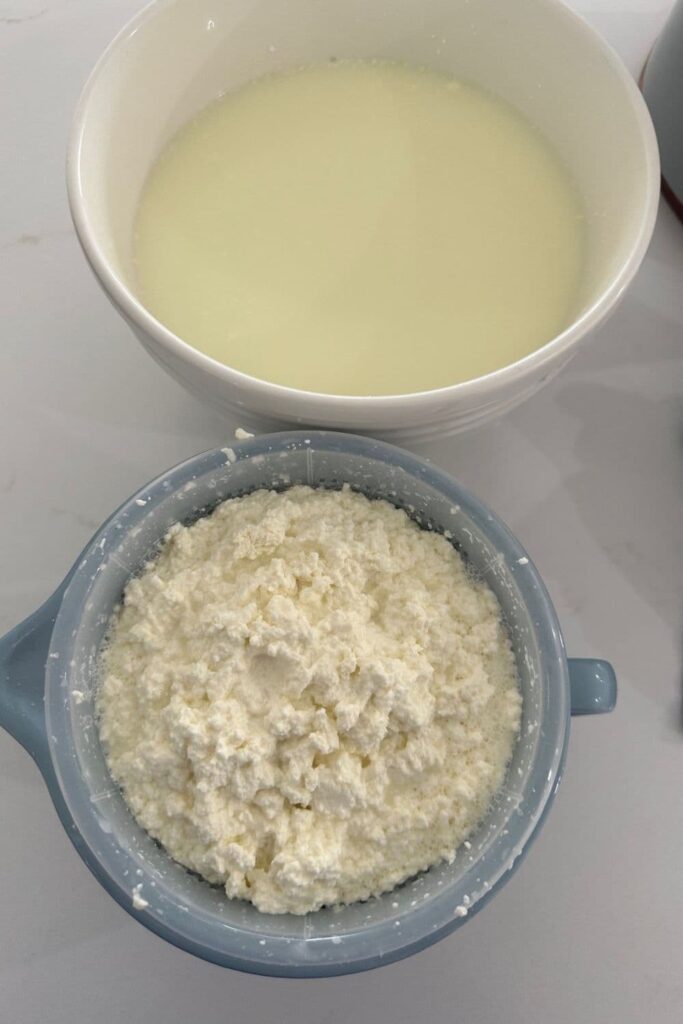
588	474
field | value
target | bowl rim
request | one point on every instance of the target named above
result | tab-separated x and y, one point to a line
240	948
303	404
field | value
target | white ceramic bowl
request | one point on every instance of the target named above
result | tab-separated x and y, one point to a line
177	55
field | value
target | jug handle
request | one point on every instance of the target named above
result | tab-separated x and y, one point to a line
593	686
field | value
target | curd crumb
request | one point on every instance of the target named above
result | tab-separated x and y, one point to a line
139	903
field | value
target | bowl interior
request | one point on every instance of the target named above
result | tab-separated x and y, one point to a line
534	53
190	911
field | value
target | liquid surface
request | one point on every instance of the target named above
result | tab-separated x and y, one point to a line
362	228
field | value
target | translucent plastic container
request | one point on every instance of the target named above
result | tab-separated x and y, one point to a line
46	701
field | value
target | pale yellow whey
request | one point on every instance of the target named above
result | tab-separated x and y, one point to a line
360	228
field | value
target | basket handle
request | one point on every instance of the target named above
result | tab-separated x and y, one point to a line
593	686
23	654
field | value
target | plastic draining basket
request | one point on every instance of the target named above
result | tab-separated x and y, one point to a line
46	701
